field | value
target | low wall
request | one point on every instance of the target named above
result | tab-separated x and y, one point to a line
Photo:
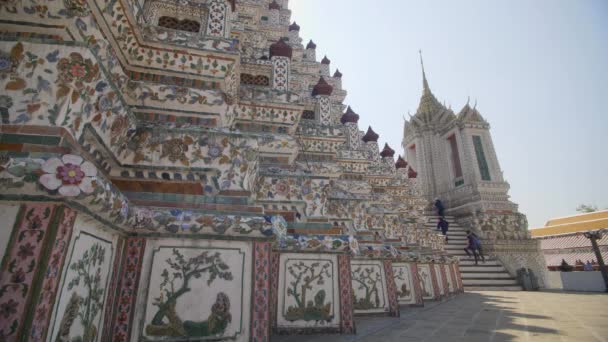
590	281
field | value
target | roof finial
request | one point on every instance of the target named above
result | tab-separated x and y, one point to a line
468	100
425	83
475	105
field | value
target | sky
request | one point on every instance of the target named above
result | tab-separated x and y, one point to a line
538	71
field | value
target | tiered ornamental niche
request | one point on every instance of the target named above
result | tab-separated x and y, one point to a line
188	171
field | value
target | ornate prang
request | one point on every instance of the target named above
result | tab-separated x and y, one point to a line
349	116
280	48
322	88
387	151
400	163
294	27
370	135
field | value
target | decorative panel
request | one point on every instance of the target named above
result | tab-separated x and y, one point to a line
280	73
309	296
79	312
369	286
195	290
402	273
426	281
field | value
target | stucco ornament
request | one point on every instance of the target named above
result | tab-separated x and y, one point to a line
353	244
279	226
69	175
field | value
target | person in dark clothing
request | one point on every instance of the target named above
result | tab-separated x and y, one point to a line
474	245
443	224
440	207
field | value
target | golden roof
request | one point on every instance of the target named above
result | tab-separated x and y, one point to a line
573	224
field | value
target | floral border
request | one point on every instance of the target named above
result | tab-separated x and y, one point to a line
434	280
52	277
260	308
131	271
391	289
416	281
21	266
347	322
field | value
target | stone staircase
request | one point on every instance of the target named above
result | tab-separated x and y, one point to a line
489	275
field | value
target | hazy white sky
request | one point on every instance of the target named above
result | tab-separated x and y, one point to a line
538	70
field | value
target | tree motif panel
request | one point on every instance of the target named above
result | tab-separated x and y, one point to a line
402	273
309	294
196	292
426	281
79	312
369	287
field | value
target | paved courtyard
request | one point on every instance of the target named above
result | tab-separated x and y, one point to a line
488	316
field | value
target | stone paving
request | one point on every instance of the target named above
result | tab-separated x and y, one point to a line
488	316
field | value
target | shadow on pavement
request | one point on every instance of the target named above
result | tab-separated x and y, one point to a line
473	316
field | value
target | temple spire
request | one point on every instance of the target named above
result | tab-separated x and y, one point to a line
429	106
425	83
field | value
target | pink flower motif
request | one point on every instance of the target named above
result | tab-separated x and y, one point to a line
69	174
282	188
78	71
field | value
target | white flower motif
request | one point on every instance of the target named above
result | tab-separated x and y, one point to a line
69	174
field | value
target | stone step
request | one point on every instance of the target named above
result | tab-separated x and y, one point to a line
481	268
495	282
493	288
488	262
485	275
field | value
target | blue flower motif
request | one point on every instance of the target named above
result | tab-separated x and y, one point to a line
52	56
5	63
214	151
100	86
175	212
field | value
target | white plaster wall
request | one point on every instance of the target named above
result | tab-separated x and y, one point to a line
330	286
86	233
197	303
8	216
377	268
402	273
589	281
554	281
